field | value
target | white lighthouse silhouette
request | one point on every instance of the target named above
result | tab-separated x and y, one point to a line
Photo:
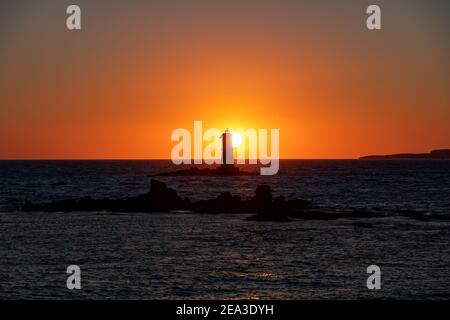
227	149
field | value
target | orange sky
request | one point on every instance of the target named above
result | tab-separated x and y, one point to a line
137	71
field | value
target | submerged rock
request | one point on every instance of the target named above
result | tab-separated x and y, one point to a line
219	171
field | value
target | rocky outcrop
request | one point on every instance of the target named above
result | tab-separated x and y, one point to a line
161	198
262	205
219	171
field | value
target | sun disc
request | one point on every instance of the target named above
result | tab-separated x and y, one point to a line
236	140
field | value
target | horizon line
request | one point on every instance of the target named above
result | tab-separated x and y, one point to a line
148	159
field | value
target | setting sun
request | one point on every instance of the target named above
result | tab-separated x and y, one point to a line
236	140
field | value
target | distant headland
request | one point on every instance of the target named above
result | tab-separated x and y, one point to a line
433	155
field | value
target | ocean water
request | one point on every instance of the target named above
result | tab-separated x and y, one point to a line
223	256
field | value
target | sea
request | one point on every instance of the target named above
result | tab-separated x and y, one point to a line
183	255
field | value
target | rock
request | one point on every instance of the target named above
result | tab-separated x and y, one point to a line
163	198
263	198
268	210
219	171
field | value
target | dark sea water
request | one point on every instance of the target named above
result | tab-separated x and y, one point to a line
200	256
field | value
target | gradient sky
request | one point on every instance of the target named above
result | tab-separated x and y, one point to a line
140	69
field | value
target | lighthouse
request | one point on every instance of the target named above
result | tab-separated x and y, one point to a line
227	149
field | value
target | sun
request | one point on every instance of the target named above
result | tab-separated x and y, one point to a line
236	140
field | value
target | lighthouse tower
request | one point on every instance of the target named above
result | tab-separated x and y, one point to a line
227	149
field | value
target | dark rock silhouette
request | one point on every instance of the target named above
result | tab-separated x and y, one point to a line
161	198
264	207
164	198
263	198
268	210
435	154
224	170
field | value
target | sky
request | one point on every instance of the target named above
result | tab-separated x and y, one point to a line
140	69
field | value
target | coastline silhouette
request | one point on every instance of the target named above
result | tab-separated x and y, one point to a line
439	154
